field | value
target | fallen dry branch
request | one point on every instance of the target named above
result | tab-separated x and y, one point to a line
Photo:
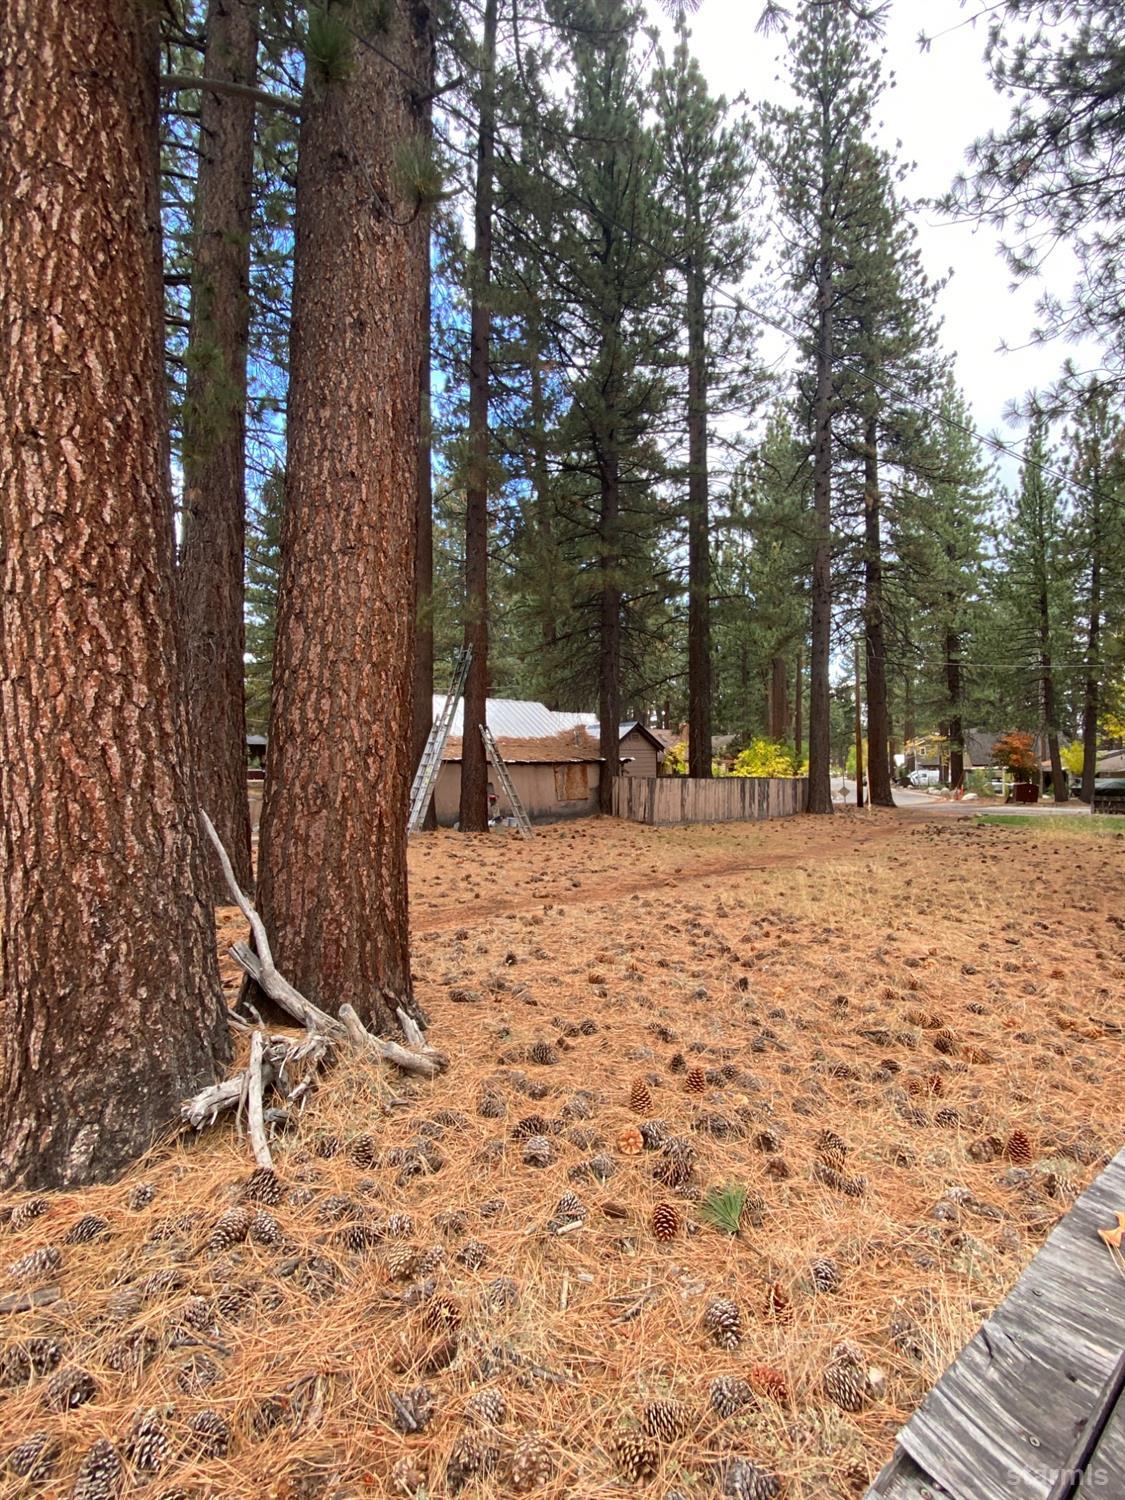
254	1109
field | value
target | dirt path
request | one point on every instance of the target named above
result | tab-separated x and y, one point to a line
624	885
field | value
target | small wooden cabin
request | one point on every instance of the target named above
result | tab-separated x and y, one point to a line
554	777
642	751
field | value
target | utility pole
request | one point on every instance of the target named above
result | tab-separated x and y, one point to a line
858	734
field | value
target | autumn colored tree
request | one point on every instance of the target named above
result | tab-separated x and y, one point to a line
110	1006
1016	752
332	887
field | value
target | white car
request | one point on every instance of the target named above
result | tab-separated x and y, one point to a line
924	778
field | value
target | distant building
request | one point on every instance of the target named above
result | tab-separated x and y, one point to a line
555	777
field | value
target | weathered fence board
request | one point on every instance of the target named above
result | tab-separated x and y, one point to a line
1004	1418
721	799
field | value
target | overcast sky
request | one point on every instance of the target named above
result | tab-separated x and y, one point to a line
942	101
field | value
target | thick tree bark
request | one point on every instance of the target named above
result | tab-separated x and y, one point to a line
820	786
110	1006
878	720
332	890
858	731
210	584
955	691
699	536
423	694
609	664
474	764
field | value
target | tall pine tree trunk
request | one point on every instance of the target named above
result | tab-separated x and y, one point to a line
878	721
609	662
820	786
210	584
333	844
1092	684
1047	690
474	766
423	716
955	689
778	699
110	1006
798	706
699	537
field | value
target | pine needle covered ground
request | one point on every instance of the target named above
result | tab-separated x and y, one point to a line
887	1036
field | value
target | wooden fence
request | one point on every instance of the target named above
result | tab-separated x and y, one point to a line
723	799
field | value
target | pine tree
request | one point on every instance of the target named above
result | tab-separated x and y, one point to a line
332	885
814	153
110	1004
263	571
210	582
705	172
1034	588
1096	443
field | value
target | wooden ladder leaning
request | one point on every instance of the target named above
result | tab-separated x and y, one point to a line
425	778
523	822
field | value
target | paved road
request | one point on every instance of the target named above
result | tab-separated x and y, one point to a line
908	797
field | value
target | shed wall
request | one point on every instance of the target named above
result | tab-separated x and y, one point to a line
536	786
643	752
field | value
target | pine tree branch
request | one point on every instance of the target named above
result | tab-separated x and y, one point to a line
181	83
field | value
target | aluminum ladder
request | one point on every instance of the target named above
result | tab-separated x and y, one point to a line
425	777
523	822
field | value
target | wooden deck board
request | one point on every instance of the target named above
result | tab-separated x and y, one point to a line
1005	1416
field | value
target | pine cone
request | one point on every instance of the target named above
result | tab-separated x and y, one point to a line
769	1382
358	1237
543	1054
210	1434
636	1459
743	1480
665	1222
825	1274
230	1229
640	1097
945	1042
263	1186
402	1262
441	1314
676	1163
147	1447
1018	1148
845	1381
768	1141
529	1126
570	1206
130	1353
411	1410
729	1394
531	1464
99	1474
196	1373
778	1306
676	1063
36	1264
696	1081
472	1255
723	1321
88	1227
363	1152
668	1420
653	1133
327	1147
27	1212
490	1106
537	1152
486	1409
472	1456
831	1148
630	1142
70	1387
140	1196
852	1187
265	1230
35	1356
35	1457
398	1227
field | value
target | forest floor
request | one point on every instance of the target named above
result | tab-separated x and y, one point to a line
906	1031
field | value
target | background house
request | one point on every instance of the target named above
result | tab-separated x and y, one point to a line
555	776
